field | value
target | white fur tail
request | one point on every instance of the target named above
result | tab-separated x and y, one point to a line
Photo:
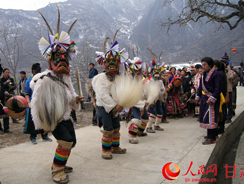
126	90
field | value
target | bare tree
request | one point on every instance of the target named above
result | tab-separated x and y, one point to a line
11	46
230	12
36	35
86	56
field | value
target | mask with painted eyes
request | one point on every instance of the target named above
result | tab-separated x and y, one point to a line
111	64
156	73
59	62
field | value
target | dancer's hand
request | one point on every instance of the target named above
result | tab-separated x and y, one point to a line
118	108
146	104
80	98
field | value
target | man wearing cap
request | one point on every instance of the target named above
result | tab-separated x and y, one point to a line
230	77
225	58
22	83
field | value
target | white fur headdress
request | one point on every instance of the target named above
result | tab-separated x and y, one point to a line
62	40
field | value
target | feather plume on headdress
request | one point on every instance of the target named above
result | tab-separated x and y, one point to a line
154	65
111	51
135	64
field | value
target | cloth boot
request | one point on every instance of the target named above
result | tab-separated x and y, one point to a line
133	130
107	144
157	122
150	123
116	149
60	159
142	127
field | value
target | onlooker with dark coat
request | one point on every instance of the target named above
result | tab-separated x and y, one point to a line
242	64
186	90
9	86
8	83
209	92
234	93
184	81
222	116
2	113
1	68
241	77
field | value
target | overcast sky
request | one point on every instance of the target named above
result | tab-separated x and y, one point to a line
26	4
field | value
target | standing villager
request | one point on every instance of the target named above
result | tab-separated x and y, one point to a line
53	96
196	83
236	79
2	113
209	93
184	80
241	77
230	77
9	86
22	83
191	90
1	68
225	58
9	83
223	109
110	58
92	71
242	64
154	99
2	100
140	116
